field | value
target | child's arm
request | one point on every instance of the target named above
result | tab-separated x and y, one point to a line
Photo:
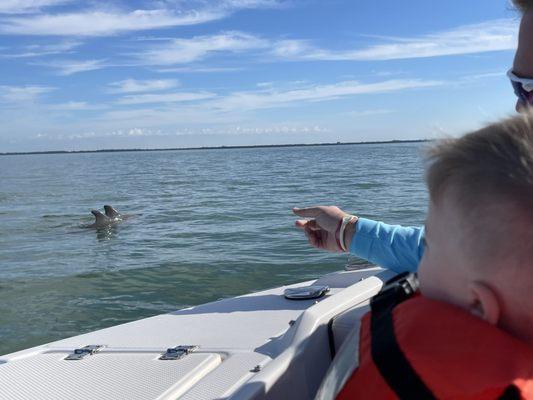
391	246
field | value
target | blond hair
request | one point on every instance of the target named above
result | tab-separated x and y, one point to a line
486	177
495	162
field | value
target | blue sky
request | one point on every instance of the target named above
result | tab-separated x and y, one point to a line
173	73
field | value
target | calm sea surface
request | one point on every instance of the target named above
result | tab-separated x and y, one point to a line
209	224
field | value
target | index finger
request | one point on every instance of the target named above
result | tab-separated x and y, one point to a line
309	212
309	224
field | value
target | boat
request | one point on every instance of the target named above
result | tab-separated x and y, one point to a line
272	344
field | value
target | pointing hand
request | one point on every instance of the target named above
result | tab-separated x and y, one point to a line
320	229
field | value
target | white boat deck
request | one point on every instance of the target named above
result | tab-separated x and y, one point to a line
255	346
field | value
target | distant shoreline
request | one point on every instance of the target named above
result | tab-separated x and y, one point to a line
211	147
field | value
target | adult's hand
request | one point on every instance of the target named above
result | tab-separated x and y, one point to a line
320	229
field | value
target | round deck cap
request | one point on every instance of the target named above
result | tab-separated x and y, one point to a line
306	292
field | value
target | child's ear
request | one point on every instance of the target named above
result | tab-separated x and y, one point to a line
484	302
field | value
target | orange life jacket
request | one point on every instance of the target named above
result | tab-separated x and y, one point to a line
417	348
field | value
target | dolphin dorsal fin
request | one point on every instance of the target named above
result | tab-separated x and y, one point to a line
100	218
110	212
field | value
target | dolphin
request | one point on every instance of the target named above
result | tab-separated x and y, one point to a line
115	216
110	212
111	217
101	220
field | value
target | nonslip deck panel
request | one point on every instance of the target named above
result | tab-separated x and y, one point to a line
105	376
220	383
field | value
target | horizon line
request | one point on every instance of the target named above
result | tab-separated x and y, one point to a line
223	147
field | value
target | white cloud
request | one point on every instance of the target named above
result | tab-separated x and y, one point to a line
243	4
233	107
265	130
470	39
485	75
22	94
182	51
25	6
200	70
94	135
165	98
271	129
169	112
365	113
272	99
69	67
75	106
102	22
293	48
136	86
120	132
488	36
44	50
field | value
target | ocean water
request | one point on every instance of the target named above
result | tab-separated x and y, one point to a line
207	224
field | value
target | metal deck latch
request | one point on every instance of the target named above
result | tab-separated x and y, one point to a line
175	353
89	350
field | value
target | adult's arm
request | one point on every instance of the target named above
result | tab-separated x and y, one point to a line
395	247
391	246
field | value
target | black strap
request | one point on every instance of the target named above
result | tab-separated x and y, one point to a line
510	393
331	338
386	353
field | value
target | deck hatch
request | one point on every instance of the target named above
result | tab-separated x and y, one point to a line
111	374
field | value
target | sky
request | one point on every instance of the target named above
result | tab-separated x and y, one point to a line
89	75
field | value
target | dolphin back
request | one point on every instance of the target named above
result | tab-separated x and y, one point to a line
110	212
101	219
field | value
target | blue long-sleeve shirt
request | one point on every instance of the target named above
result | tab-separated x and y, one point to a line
395	247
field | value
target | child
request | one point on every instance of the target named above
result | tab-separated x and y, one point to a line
469	334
